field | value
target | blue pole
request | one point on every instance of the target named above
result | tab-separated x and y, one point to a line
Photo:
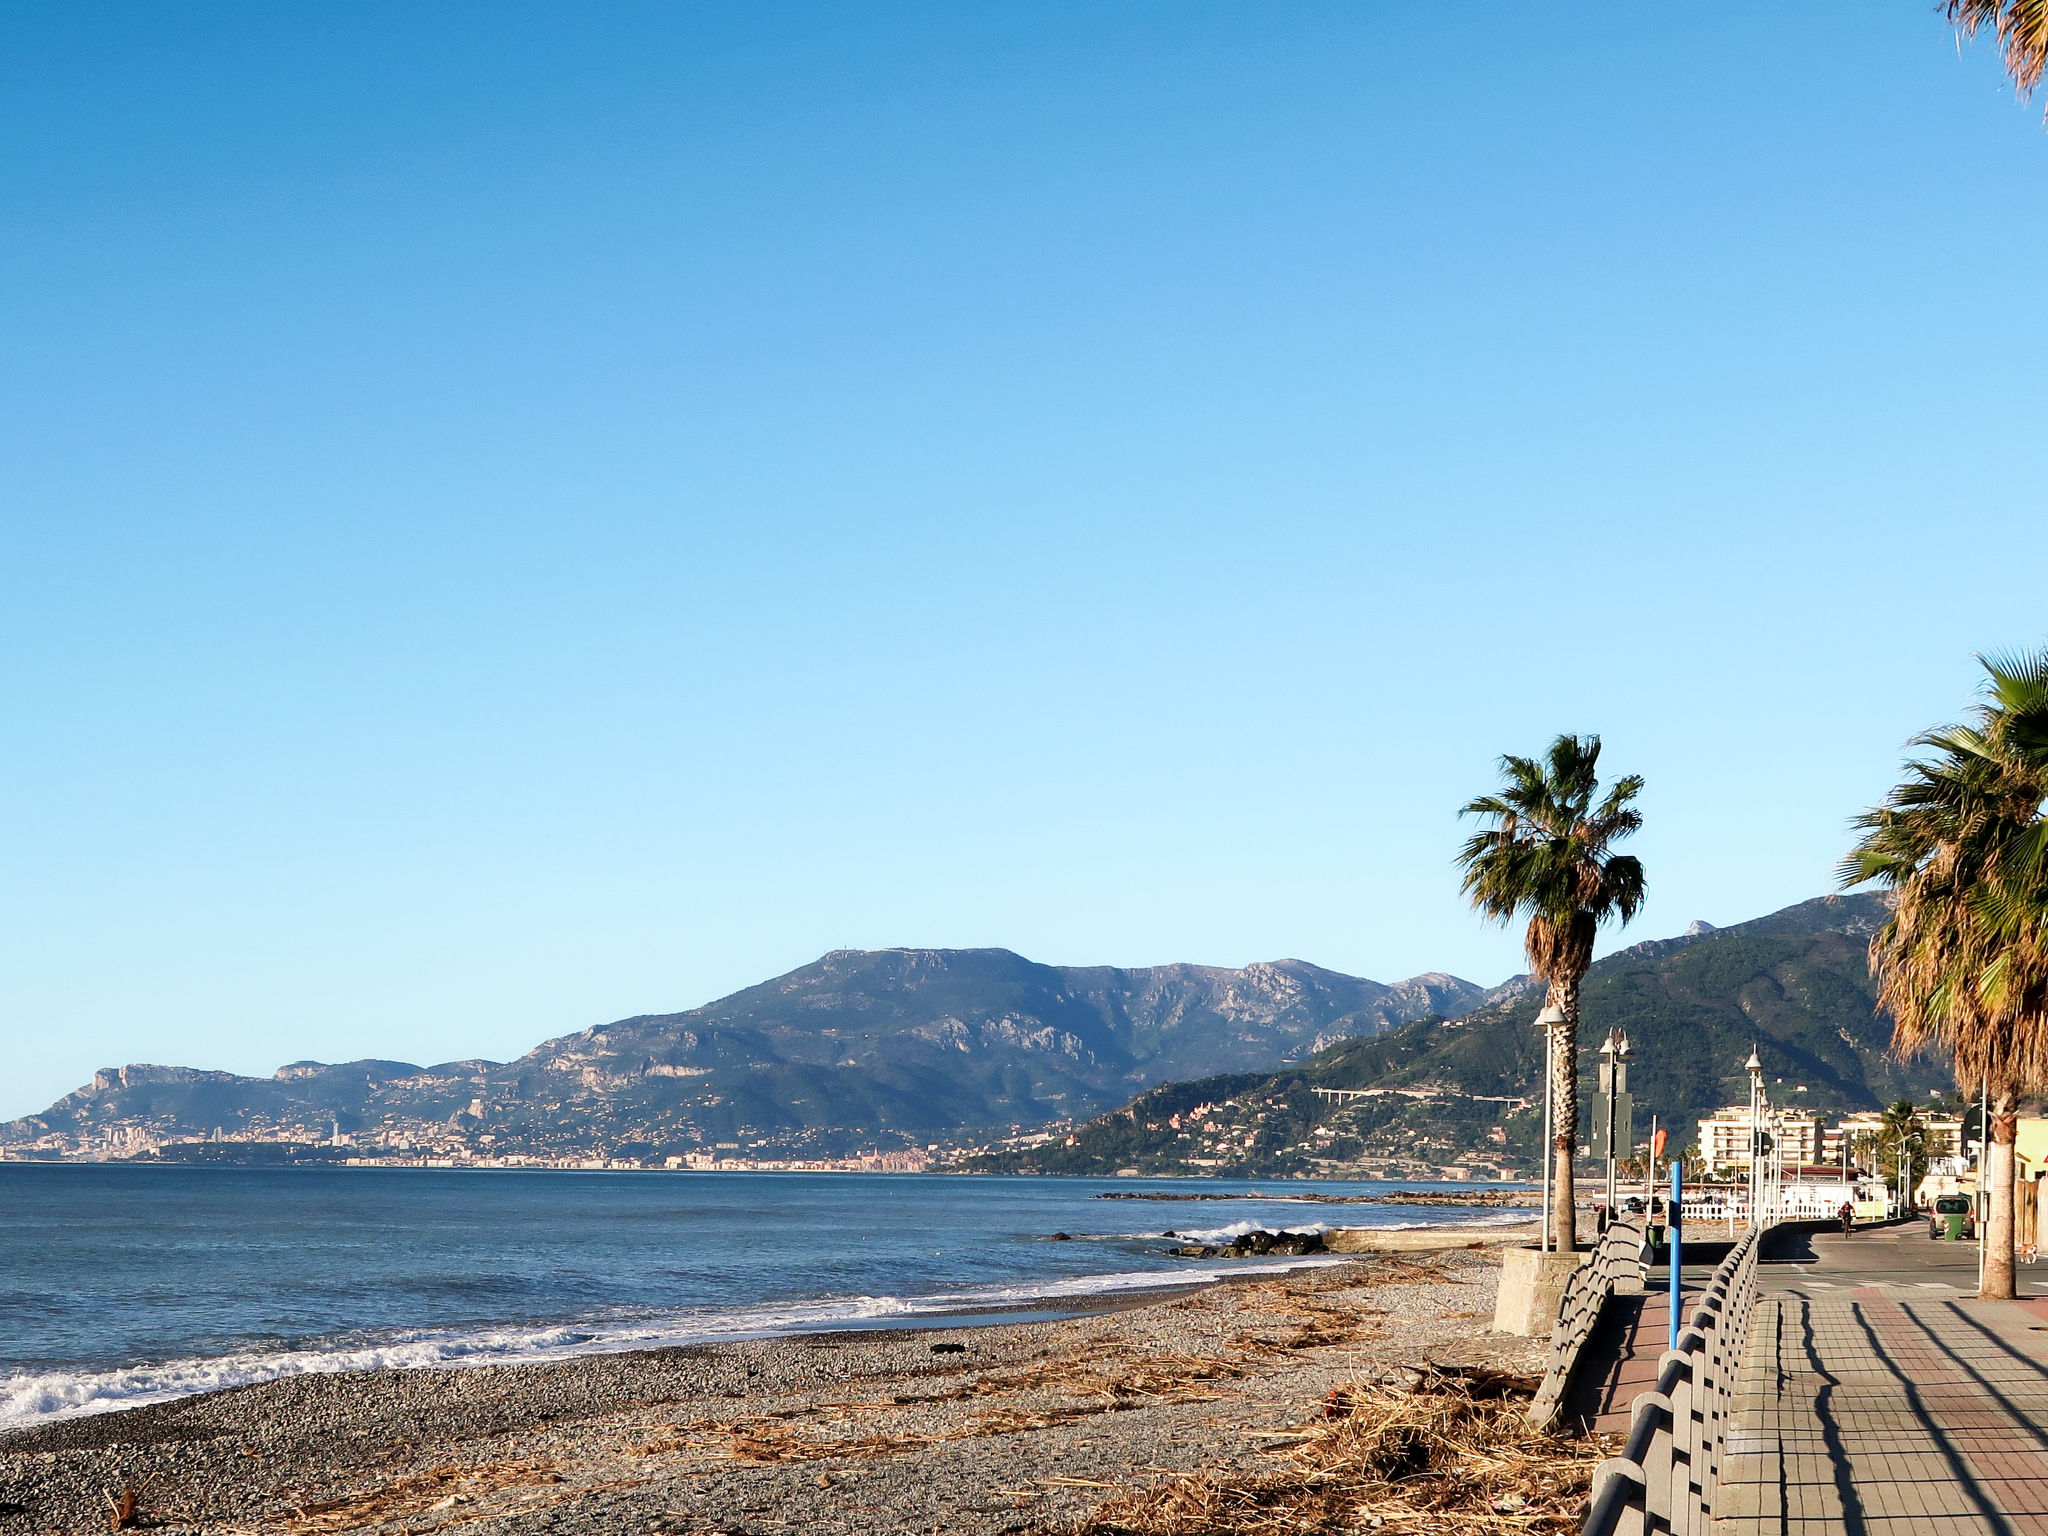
1673	1220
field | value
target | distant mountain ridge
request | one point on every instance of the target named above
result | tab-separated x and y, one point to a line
859	1047
1440	1092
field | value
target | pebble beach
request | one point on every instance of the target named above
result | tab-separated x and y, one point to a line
1015	1427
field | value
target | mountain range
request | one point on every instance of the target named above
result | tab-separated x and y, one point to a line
1302	1069
858	1049
1441	1092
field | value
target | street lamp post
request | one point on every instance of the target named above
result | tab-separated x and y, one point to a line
1767	1148
1774	1203
1775	1206
1755	1068
1603	1119
1614	1055
1902	1161
1544	1021
1983	1163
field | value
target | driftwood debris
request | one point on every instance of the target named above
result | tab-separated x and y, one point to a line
124	1513
1447	1454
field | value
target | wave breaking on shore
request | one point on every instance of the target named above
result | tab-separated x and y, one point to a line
29	1398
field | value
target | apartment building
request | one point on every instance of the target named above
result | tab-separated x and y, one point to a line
1725	1136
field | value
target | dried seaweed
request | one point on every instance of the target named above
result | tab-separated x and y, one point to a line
413	1494
1402	1479
781	1443
1441	1459
1092	1388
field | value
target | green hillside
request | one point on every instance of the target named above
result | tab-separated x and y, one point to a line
1463	1093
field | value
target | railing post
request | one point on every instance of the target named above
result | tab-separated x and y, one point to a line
1617	1504
1685	1458
1670	1473
1579	1310
1710	1381
1656	1457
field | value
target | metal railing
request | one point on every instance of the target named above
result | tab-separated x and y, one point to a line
1616	1265
1668	1470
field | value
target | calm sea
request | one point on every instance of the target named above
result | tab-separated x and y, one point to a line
122	1284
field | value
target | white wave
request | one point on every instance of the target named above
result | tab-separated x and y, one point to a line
1451	1228
29	1397
1240	1228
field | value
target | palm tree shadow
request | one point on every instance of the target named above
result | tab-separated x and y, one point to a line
1825	1414
1961	1473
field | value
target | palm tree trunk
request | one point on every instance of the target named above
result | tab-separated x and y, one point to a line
1564	1107
1998	1234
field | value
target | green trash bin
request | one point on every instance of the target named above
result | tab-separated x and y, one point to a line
1952	1219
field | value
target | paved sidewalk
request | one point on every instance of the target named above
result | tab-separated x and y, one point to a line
1881	1398
1620	1358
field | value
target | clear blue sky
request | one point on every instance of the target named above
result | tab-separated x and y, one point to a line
516	516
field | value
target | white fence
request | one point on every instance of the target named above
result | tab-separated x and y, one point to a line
1795	1202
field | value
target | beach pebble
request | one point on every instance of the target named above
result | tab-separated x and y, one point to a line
729	1437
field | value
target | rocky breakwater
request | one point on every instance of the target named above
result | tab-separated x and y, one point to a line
1248	1245
1487	1198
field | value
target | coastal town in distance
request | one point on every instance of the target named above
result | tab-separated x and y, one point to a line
1815	1146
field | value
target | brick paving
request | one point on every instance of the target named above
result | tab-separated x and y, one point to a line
1888	1408
1621	1358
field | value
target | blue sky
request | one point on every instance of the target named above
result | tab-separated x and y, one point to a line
516	516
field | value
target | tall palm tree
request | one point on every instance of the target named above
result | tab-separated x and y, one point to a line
1901	1143
1962	964
1548	857
2021	27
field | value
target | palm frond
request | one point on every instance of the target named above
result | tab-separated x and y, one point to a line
2019	678
1547	856
2021	27
1962	964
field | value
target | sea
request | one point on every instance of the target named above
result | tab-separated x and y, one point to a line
123	1284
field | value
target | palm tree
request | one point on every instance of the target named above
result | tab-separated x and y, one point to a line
1901	1144
1962	964
1547	857
2021	27
1692	1165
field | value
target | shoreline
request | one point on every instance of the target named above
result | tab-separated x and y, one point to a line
954	1426
510	1164
33	1400
469	1354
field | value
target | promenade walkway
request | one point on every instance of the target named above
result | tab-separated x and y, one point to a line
1620	1359
1880	1397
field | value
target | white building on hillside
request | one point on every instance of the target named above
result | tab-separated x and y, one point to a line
1725	1136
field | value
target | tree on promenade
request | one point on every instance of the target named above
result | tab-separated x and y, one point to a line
1962	964
1547	856
1902	1144
2021	27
